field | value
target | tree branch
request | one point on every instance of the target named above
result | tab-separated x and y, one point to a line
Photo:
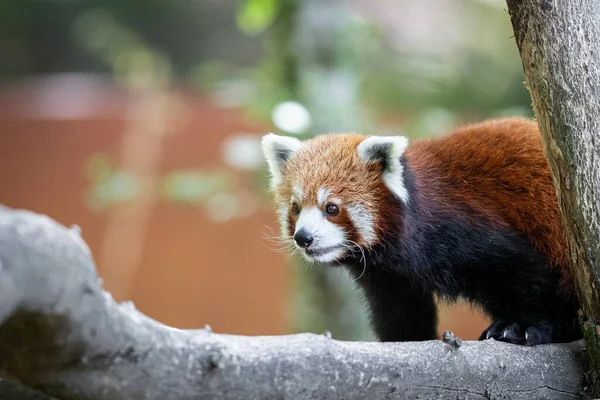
62	334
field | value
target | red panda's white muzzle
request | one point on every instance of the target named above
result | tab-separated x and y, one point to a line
317	238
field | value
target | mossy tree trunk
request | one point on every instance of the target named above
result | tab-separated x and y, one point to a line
559	42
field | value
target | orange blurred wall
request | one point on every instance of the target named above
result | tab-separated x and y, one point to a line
190	270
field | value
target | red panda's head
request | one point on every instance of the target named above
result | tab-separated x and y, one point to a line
332	191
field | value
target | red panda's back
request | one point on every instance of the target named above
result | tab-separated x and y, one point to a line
498	170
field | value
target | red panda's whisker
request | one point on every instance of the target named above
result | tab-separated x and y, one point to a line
279	243
363	258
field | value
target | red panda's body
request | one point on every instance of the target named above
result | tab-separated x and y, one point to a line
498	169
472	214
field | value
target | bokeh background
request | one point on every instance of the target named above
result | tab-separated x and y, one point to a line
140	121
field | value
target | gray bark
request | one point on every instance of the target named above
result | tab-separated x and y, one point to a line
559	42
63	335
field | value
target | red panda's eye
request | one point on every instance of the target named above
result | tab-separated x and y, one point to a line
332	210
295	209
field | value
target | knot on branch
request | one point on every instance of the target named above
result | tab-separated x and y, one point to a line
448	337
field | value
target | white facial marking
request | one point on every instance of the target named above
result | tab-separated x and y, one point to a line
297	192
277	150
363	221
389	148
322	195
283	220
327	237
328	257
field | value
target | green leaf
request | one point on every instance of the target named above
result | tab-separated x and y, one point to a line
254	16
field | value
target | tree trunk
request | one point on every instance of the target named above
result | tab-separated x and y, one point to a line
62	334
559	42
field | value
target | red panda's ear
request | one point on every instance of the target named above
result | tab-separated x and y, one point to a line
277	150
387	151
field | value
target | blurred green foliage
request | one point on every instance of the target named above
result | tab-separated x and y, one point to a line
254	16
37	36
420	92
108	185
214	44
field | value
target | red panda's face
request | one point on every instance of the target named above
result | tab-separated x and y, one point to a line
330	190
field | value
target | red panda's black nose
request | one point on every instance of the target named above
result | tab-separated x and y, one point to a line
303	238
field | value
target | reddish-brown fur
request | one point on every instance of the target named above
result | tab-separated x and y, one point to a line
473	166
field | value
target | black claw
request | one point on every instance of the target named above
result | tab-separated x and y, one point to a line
538	335
494	331
513	334
532	336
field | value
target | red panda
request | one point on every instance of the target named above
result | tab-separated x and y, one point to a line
470	215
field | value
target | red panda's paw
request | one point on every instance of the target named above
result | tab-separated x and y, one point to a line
513	333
